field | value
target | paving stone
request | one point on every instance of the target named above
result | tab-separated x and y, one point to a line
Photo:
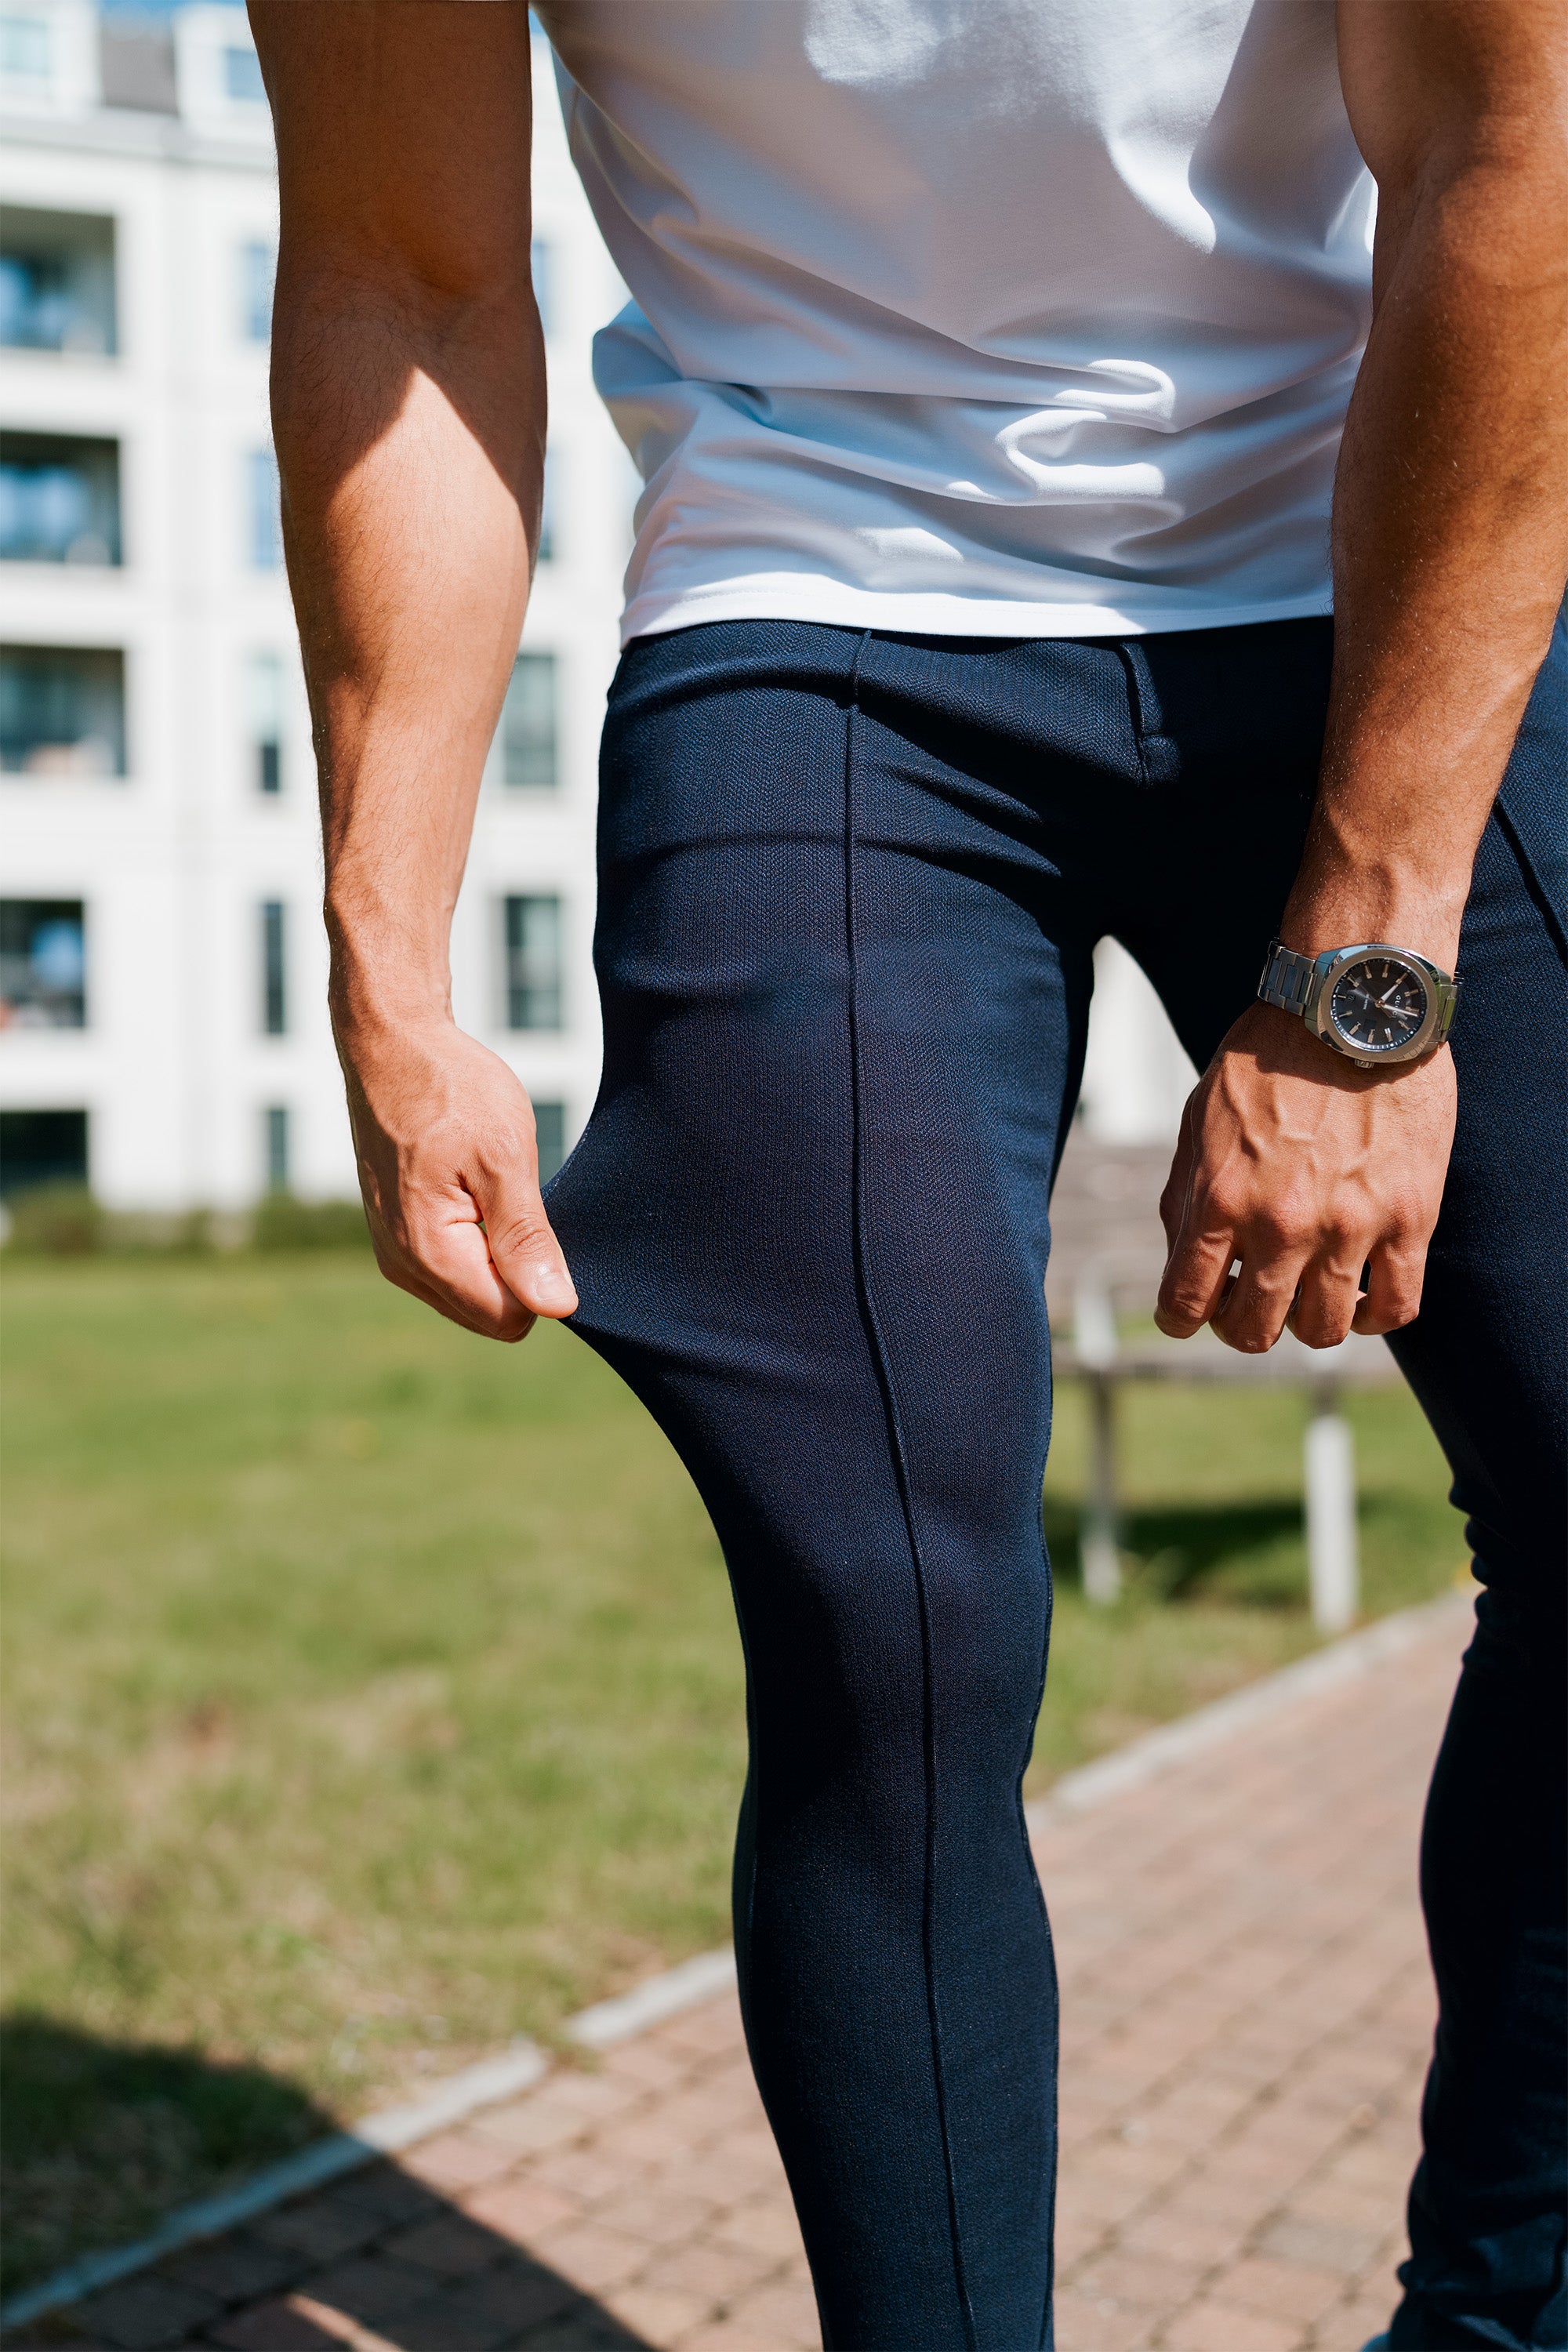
515	2292
458	2159
148	2313
278	2327
66	2338
1285	2290
765	2225
371	2290
1096	2324
1210	2327
450	2244
592	2257
599	2169
1319	2245
664	2216
238	2269
517	2210
729	2336
340	2328
783	2308
1185	2233
659	2315
644	2062
717	2273
1145	2282
386	2193
319	2229
582	2328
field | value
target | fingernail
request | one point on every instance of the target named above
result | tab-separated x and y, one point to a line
552	1282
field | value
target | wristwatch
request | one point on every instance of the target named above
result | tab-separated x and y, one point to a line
1375	1004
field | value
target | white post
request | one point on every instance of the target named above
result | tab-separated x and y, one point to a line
1098	1550
1331	1564
1094	1336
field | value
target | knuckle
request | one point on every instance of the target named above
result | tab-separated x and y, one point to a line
517	1230
1286	1225
1223	1205
1324	1332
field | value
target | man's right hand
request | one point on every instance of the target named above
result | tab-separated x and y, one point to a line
449	1171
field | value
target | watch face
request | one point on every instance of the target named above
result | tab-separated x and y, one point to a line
1379	1003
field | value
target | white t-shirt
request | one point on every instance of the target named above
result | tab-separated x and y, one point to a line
1031	318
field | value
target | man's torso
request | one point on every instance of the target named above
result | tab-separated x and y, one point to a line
985	316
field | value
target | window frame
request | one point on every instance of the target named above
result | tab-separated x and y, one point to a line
273	928
514	987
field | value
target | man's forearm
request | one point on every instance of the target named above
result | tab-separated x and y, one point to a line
1450	522
408	410
408	407
410	436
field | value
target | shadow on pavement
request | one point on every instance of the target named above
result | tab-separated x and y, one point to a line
100	2139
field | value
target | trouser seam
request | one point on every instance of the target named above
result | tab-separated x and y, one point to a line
897	1451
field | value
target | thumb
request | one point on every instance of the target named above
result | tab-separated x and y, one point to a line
524	1249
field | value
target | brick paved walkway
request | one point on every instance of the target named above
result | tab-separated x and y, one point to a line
1246	2013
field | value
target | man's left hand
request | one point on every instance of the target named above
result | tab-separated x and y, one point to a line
1309	1171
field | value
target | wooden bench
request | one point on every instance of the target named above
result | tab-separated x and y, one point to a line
1099	1356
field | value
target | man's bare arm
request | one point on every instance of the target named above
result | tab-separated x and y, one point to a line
409	409
1450	552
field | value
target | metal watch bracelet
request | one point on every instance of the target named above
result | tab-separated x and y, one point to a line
1307	986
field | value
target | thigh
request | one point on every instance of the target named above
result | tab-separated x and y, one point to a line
1242	713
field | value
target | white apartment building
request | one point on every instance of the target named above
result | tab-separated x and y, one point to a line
161	960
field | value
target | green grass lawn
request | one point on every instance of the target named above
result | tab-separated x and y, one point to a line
373	1693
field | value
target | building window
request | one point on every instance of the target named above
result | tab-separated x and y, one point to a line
59	499
25	48
275	1137
62	712
56	281
264	720
43	963
265	524
274	973
550	1128
42	1146
528	724
259	269
242	76
532	936
540	260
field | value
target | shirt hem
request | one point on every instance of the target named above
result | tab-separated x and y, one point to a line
835	605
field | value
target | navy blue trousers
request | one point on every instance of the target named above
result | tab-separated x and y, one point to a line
850	888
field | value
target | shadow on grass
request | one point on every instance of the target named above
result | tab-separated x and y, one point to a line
1246	1554
99	2140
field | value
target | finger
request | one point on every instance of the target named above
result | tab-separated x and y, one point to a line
1253	1316
454	1275
1395	1274
1325	1302
524	1252
1174	1199
1194	1282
